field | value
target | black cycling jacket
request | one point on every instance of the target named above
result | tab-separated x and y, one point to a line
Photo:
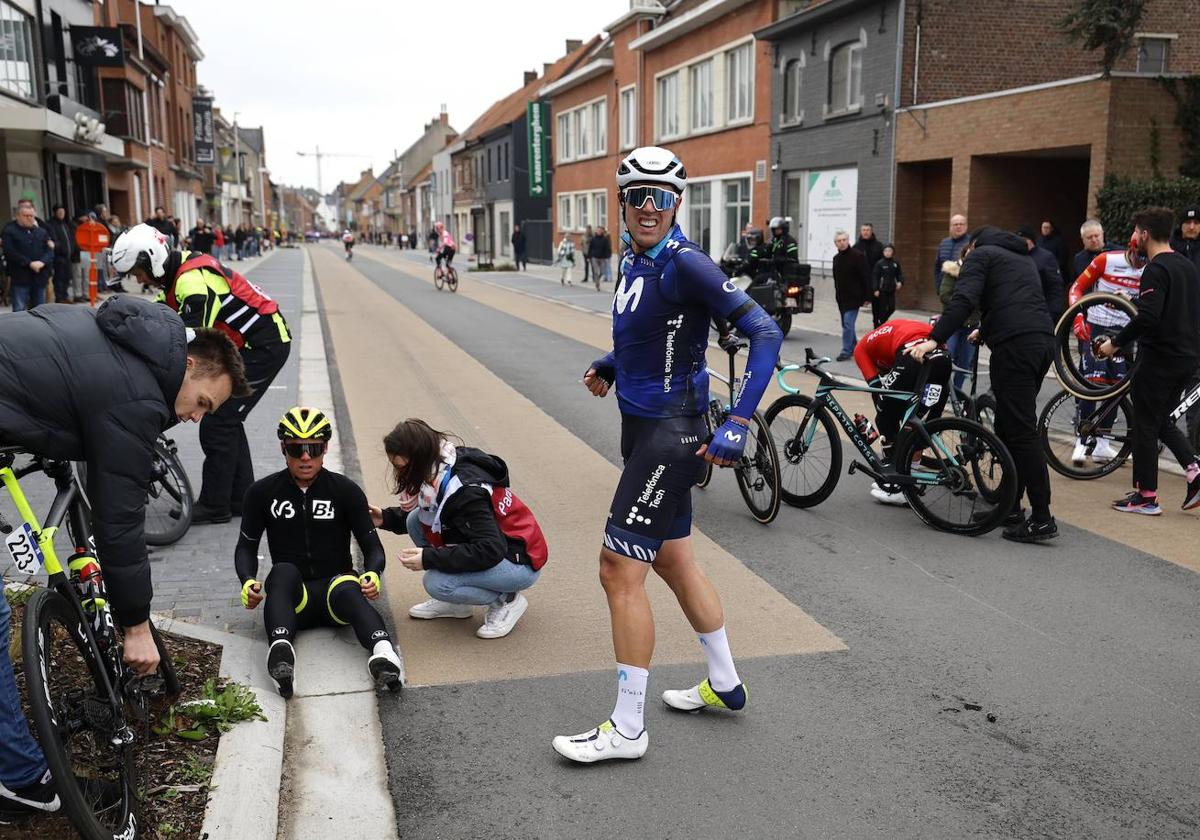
310	529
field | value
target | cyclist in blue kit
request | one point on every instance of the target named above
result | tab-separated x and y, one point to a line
669	291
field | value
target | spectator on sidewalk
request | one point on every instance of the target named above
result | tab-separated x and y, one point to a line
519	248
200	238
950	248
29	257
962	351
1052	240
402	242
239	241
586	245
869	244
62	234
218	235
1092	234
600	256
565	259
1186	238
852	288
1048	271
165	226
79	272
886	280
477	543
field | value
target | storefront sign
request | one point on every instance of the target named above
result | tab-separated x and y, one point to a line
202	123
539	147
832	206
97	46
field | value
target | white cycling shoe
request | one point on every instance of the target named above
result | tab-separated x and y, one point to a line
600	744
703	696
386	667
881	495
1079	453
433	608
1103	452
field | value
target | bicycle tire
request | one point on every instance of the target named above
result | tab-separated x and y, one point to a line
1051	439
452	280
983	411
792	452
1000	500
169	484
706	476
1067	371
166	667
81	719
439	279
759	470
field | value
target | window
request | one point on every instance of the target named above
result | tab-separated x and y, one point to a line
739	83
16	52
845	78
793	71
600	205
668	106
581	211
584	132
700	83
505	232
737	207
629	118
564	212
489	165
565	146
123	106
793	195
1152	55
600	125
699	218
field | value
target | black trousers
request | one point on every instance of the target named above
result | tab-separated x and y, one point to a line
1157	388
521	261
62	280
882	307
228	471
1193	413
1018	369
293	603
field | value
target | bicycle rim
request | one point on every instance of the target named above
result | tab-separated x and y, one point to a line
809	450
169	499
966	480
438	280
452	281
1069	353
75	723
1060	434
758	472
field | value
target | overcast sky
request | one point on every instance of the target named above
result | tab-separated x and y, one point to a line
361	77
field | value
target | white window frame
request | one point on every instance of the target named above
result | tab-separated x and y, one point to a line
599	111
566	202
720	96
563	122
662	111
732	115
583	133
701	116
600	200
1142	38
853	48
786	117
628	118
577	126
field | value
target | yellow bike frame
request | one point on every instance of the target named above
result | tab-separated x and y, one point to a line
45	537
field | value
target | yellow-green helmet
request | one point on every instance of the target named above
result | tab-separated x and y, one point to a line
304	423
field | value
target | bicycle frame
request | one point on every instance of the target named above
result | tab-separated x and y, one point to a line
1104	409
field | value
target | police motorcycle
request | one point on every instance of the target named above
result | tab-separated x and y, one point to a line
781	288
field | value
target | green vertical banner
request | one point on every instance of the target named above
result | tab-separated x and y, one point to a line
538	114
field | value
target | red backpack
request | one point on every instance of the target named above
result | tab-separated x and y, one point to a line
516	522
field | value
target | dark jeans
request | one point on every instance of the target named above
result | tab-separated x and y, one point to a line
21	761
962	352
1157	386
62	280
1018	368
228	471
521	260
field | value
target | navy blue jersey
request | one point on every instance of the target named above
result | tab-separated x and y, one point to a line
661	314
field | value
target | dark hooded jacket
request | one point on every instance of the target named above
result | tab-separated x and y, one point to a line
1000	278
1190	248
473	540
98	386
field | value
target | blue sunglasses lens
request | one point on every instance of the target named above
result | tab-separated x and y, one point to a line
662	199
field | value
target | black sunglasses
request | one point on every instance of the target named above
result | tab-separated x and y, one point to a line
299	450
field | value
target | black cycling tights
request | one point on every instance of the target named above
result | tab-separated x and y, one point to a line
293	604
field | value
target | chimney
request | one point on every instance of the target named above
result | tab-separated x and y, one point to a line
546	68
530	76
573	45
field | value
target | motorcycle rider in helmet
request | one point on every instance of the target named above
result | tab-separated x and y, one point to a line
781	253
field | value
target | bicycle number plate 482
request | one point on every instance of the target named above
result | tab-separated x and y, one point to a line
25	551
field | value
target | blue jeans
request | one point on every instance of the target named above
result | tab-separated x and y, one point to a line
476	588
21	761
962	353
26	297
849	337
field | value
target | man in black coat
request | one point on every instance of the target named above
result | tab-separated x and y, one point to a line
1000	279
1092	234
1048	271
165	226
29	257
851	287
62	234
869	244
519	248
1186	238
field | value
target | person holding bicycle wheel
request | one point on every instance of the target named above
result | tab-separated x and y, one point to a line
668	291
99	386
1167	329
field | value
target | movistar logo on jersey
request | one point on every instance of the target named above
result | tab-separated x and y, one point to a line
625	293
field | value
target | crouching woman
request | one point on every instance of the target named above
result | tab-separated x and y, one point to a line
478	544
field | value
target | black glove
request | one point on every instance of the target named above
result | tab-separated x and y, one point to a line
605	370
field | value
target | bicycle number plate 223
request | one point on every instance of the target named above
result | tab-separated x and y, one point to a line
25	551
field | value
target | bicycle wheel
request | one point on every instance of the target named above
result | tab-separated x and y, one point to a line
810	451
966	482
75	722
1103	432
439	279
758	472
169	500
166	666
714	411
1072	356
452	279
984	410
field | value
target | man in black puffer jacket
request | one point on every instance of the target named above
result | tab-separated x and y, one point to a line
1000	278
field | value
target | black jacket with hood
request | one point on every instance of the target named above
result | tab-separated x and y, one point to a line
1000	278
473	540
98	386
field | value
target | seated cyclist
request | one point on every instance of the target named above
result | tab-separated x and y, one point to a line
445	244
309	514
882	356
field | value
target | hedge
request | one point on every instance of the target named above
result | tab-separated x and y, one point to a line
1119	199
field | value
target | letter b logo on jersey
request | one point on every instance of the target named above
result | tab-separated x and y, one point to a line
625	293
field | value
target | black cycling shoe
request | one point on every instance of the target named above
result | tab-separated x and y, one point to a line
281	665
205	515
1030	531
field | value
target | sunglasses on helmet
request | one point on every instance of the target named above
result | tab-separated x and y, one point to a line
661	198
299	450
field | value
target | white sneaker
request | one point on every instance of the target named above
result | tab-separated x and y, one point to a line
1103	452
433	608
1079	454
386	667
602	743
881	495
502	617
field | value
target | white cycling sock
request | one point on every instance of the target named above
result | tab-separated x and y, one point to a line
629	714
722	675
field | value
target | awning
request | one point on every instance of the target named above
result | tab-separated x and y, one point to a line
32	128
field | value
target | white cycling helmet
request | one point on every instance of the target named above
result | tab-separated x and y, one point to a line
140	247
652	165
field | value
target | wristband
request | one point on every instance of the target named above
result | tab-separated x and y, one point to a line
246	591
372	578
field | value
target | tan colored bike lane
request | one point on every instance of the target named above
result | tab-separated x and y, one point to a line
393	365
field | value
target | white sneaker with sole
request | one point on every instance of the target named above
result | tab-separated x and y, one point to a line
881	495
386	667
433	608
502	617
600	744
1103	452
1079	453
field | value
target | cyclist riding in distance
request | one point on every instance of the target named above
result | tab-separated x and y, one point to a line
348	240
309	514
668	292
1119	273
446	247
882	356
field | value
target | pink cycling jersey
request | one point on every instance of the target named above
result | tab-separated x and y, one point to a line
447	241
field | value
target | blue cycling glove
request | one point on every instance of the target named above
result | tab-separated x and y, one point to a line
728	441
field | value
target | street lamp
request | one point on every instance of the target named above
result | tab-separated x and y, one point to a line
262	195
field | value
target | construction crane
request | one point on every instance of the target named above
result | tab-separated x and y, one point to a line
318	154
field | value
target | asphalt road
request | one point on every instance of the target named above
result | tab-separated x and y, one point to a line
988	689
